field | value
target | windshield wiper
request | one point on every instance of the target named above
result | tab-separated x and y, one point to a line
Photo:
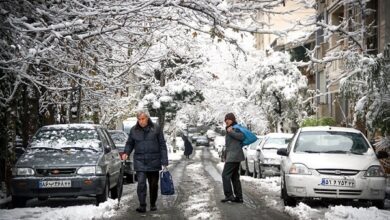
80	148
46	148
336	151
312	151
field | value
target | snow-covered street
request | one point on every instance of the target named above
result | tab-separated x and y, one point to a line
198	191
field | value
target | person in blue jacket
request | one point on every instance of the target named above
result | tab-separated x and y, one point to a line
233	157
150	156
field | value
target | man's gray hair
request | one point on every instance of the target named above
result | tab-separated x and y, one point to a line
143	112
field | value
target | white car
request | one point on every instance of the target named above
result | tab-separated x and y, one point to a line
332	163
219	143
267	161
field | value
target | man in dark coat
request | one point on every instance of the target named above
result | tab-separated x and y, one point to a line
150	155
187	147
233	157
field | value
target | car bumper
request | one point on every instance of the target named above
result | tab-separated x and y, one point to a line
309	186
80	186
270	169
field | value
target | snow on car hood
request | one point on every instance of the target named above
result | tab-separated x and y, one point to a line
335	161
57	158
270	153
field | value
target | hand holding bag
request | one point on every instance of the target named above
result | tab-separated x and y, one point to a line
166	183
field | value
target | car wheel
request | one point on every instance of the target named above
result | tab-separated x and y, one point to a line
287	200
116	192
105	194
261	175
242	171
247	172
254	170
380	204
130	178
19	202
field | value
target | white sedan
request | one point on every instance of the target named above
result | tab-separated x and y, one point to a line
332	163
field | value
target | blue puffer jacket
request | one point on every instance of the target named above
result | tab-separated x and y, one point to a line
150	149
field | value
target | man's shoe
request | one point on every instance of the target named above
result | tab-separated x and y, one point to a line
229	199
153	208
141	209
238	200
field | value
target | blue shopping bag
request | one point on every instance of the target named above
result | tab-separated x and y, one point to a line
249	137
166	183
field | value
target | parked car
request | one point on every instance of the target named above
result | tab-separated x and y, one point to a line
332	163
194	136
248	165
120	137
202	141
68	160
267	160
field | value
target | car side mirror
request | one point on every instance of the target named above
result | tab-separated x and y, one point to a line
107	149
282	152
382	154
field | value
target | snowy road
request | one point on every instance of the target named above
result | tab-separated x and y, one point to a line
198	194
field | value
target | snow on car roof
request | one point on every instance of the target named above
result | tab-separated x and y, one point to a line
71	126
330	128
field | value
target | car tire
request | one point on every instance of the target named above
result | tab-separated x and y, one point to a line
130	178
247	172
105	194
116	192
254	170
287	200
380	204
19	201
242	171
261	175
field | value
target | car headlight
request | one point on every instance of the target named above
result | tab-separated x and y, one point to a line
375	171
23	171
299	168
90	170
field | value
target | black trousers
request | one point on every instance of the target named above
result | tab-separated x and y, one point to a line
152	178
231	176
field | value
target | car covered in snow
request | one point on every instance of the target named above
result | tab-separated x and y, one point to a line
332	163
68	160
202	141
248	165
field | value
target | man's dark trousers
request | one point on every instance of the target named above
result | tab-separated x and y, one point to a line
153	177
231	176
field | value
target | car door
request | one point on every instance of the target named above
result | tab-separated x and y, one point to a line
110	157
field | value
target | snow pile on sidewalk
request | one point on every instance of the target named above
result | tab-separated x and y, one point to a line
348	212
105	210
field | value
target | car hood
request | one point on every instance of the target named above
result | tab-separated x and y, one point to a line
39	158
335	161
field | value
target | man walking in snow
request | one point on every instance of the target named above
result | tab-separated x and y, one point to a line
150	155
233	157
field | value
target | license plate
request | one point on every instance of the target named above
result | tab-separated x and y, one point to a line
336	182
55	184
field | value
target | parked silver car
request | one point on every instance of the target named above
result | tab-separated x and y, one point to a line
120	137
248	166
267	162
68	160
331	163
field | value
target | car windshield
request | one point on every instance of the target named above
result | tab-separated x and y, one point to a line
118	137
331	142
276	143
76	139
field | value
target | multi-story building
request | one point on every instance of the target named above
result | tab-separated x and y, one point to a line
372	32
